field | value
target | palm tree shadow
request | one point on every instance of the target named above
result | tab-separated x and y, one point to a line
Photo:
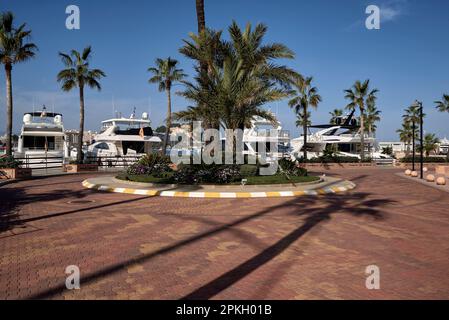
314	217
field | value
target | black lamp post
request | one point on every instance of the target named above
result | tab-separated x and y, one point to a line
413	145
418	104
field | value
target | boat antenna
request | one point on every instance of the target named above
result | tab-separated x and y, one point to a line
113	106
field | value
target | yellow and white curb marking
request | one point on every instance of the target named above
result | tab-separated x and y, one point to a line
342	187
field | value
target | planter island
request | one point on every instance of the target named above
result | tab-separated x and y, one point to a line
319	186
15	173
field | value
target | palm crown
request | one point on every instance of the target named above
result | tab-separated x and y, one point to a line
443	105
360	95
165	73
13	48
241	77
78	74
305	95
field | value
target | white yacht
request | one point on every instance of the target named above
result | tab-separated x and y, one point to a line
344	136
42	136
264	132
124	137
443	148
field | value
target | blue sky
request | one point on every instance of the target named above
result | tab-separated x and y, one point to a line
406	59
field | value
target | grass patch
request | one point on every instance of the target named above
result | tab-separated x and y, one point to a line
279	179
146	178
254	180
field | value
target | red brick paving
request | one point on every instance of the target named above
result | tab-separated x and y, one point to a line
134	247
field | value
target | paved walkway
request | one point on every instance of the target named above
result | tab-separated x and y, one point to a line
130	246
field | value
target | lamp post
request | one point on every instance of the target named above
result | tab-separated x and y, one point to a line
418	104
413	145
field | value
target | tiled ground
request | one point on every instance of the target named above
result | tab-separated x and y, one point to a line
131	247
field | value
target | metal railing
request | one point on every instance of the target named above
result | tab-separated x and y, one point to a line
46	162
113	161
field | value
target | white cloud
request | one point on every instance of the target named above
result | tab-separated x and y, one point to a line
389	13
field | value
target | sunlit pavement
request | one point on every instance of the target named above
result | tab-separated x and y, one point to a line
137	247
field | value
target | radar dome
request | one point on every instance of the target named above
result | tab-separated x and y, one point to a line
27	118
58	119
145	116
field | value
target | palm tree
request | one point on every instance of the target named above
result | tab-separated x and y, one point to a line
258	58
200	16
360	96
406	135
240	79
208	50
411	115
165	74
304	96
13	49
443	106
78	75
335	114
300	120
371	117
412	118
430	143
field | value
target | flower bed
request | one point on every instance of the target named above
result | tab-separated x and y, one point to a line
158	169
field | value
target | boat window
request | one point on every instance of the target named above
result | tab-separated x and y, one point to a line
38	143
102	145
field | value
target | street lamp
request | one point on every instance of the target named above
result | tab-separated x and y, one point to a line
418	104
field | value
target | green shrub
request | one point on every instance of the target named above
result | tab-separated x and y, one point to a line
151	164
291	168
249	170
9	162
426	159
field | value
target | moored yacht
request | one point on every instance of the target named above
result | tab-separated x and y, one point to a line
42	136
343	137
265	132
124	137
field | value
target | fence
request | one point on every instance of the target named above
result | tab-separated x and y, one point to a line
113	161
45	162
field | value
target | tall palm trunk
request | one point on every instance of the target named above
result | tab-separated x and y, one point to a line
8	69
304	128
168	121
201	19
362	136
79	148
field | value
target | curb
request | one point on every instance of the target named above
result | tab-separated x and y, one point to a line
346	186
